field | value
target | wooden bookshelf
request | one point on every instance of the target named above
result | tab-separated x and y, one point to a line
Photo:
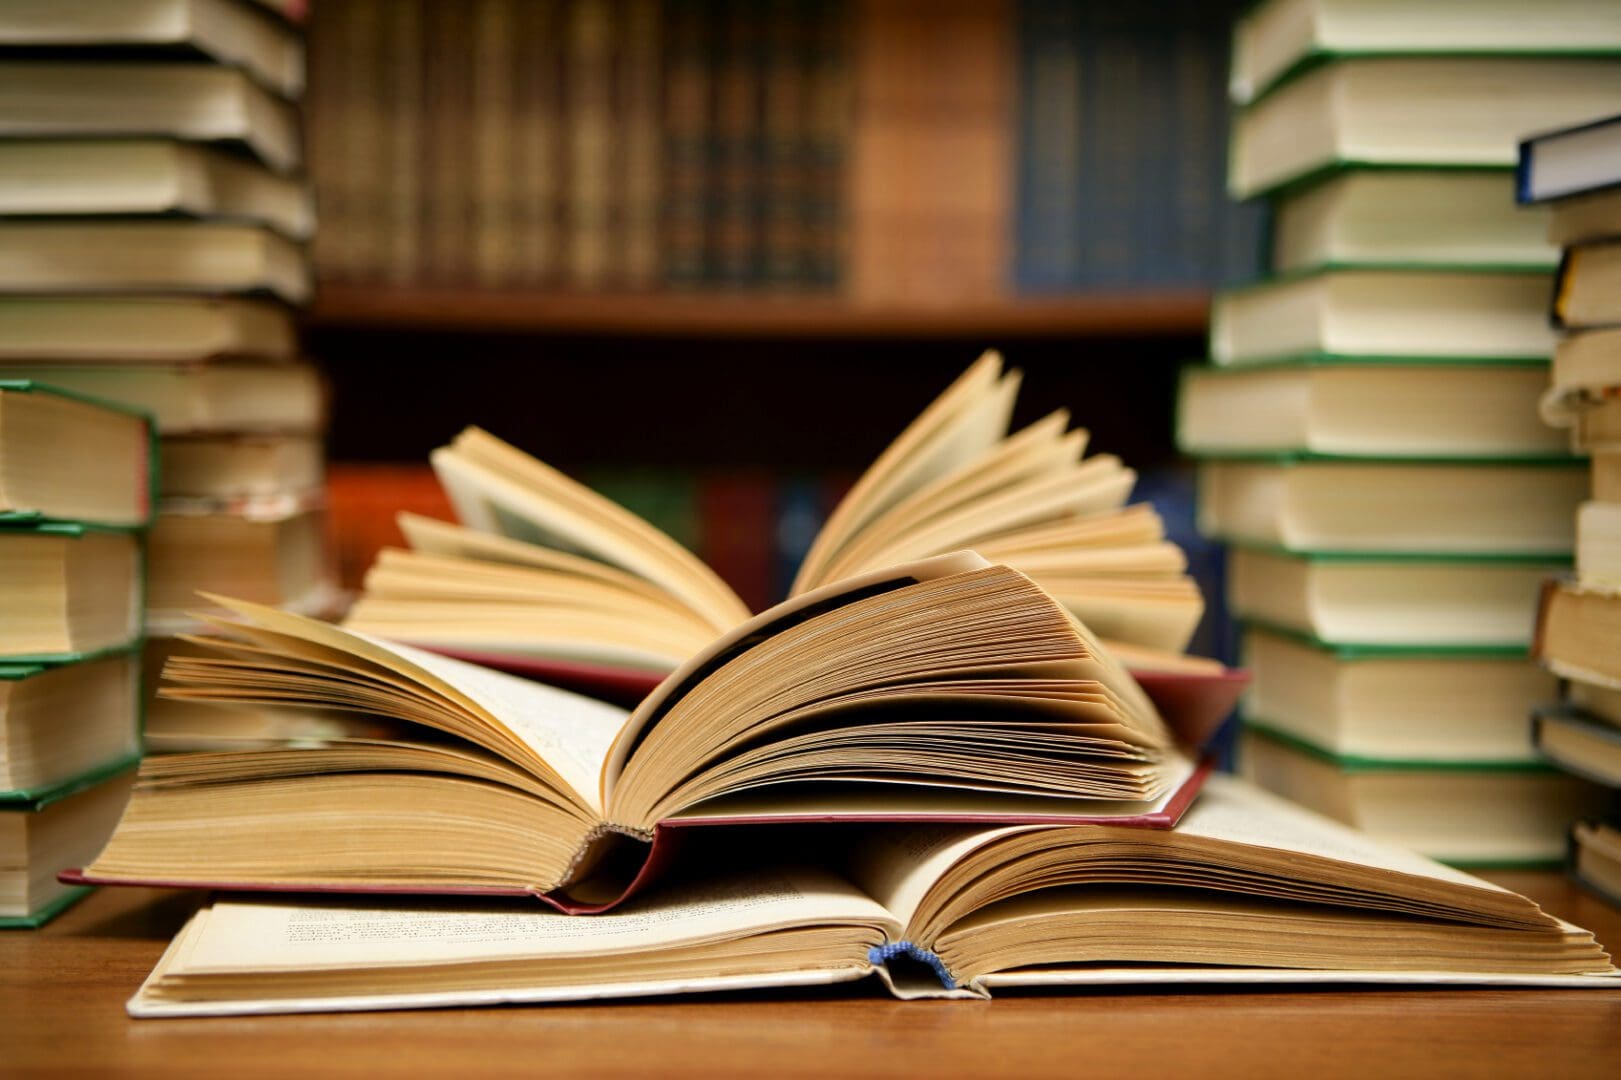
746	315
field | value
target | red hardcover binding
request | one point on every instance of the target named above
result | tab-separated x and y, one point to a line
667	840
1193	705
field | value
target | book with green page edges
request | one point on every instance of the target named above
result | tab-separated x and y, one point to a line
1415	109
1319	406
1274	42
66	456
1499	814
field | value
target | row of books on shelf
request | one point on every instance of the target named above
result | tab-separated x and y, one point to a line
584	144
1369	432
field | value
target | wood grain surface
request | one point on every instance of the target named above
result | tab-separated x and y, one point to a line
62	993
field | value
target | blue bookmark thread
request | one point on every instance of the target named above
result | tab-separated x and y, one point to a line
882	954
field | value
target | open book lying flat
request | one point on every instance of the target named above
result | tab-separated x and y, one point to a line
548	578
946	689
1248	889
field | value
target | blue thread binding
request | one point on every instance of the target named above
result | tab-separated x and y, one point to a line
882	954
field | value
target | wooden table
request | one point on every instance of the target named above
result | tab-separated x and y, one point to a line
62	992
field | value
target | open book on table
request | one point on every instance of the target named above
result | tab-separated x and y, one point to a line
1248	889
548	578
945	689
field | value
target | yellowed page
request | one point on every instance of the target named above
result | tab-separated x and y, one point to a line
964	422
265	936
523	494
569	733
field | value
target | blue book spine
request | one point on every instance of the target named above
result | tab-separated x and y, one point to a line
1048	165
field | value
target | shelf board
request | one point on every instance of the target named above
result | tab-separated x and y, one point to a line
1157	313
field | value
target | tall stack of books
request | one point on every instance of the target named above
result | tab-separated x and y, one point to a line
153	218
1368	425
1576	173
75	501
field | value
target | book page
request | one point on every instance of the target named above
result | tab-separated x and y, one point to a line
969	418
567	733
308	936
1234	811
762	626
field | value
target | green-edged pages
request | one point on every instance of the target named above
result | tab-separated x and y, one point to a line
65	458
948	687
1279	37
1412	110
1414	217
1425	705
1406	507
111	177
1375	313
58	721
60	828
69	591
1248	889
1367	410
1390	601
1508	814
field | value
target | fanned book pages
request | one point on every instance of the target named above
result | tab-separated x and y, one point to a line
947	689
1247	890
547	577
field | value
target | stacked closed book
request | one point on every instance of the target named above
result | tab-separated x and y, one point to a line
1368	425
154	219
76	487
1576	174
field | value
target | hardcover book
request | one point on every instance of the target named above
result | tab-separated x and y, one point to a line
1470	814
1366	410
1247	890
949	689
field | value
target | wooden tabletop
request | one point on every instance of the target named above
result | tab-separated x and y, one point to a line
62	993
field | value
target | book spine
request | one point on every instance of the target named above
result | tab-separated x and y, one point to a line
783	242
686	114
494	55
449	152
734	202
825	148
587	111
405	105
1048	181
537	153
642	78
737	514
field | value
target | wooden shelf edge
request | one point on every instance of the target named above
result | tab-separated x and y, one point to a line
1157	313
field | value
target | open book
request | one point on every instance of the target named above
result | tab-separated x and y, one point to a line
949	689
1248	889
550	578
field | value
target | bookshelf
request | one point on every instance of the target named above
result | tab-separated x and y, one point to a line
953	169
1166	313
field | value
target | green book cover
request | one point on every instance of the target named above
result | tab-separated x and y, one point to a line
32	517
72	896
34	799
1305	273
1352	763
1319	56
1351	651
78	529
1558	560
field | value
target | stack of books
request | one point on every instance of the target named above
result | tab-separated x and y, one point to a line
924	768
586	144
1576	173
1368	426
153	219
76	484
